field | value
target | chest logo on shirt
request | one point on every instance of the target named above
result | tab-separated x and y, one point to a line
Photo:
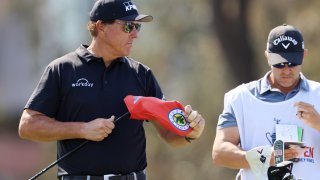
308	155
271	136
178	119
82	82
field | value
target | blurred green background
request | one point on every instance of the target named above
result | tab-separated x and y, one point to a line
198	50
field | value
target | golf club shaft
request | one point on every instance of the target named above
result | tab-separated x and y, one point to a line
68	153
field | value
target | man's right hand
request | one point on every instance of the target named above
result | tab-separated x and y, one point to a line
98	129
290	153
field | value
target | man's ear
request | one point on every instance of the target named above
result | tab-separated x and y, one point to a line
100	25
305	53
266	53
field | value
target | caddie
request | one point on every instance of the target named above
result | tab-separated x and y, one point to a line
246	128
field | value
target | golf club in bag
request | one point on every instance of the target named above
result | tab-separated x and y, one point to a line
283	169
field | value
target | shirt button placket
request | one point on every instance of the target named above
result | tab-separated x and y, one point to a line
105	79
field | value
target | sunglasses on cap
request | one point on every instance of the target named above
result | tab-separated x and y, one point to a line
128	26
282	65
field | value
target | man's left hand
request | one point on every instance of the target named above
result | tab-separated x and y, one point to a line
308	114
196	122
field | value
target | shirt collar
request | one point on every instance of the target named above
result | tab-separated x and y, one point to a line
83	52
265	85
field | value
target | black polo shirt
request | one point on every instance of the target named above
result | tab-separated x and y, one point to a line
79	88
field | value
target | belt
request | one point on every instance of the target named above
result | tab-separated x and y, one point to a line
132	176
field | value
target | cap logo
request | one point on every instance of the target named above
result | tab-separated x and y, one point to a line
285	46
285	38
129	6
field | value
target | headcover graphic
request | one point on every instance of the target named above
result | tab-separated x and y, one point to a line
169	114
282	171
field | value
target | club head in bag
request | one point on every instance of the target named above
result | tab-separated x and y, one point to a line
282	171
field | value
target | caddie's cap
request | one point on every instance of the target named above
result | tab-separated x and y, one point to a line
285	44
117	9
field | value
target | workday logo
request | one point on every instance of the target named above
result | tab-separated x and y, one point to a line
82	82
129	6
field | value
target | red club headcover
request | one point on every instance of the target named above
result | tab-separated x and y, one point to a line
170	114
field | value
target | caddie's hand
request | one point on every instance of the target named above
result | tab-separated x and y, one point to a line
291	153
196	122
98	129
308	114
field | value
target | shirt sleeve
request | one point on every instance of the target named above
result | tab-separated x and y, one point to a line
227	117
153	88
45	97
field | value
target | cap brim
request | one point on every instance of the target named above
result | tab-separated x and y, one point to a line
140	18
276	58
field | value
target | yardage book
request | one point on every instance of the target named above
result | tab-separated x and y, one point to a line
289	133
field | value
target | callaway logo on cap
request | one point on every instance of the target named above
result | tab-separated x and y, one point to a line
117	9
285	44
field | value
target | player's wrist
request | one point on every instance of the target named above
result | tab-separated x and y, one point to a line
82	133
189	139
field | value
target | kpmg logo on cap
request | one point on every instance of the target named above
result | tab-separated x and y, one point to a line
285	38
129	6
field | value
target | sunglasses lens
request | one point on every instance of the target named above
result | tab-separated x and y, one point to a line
137	26
282	65
292	64
279	66
128	27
